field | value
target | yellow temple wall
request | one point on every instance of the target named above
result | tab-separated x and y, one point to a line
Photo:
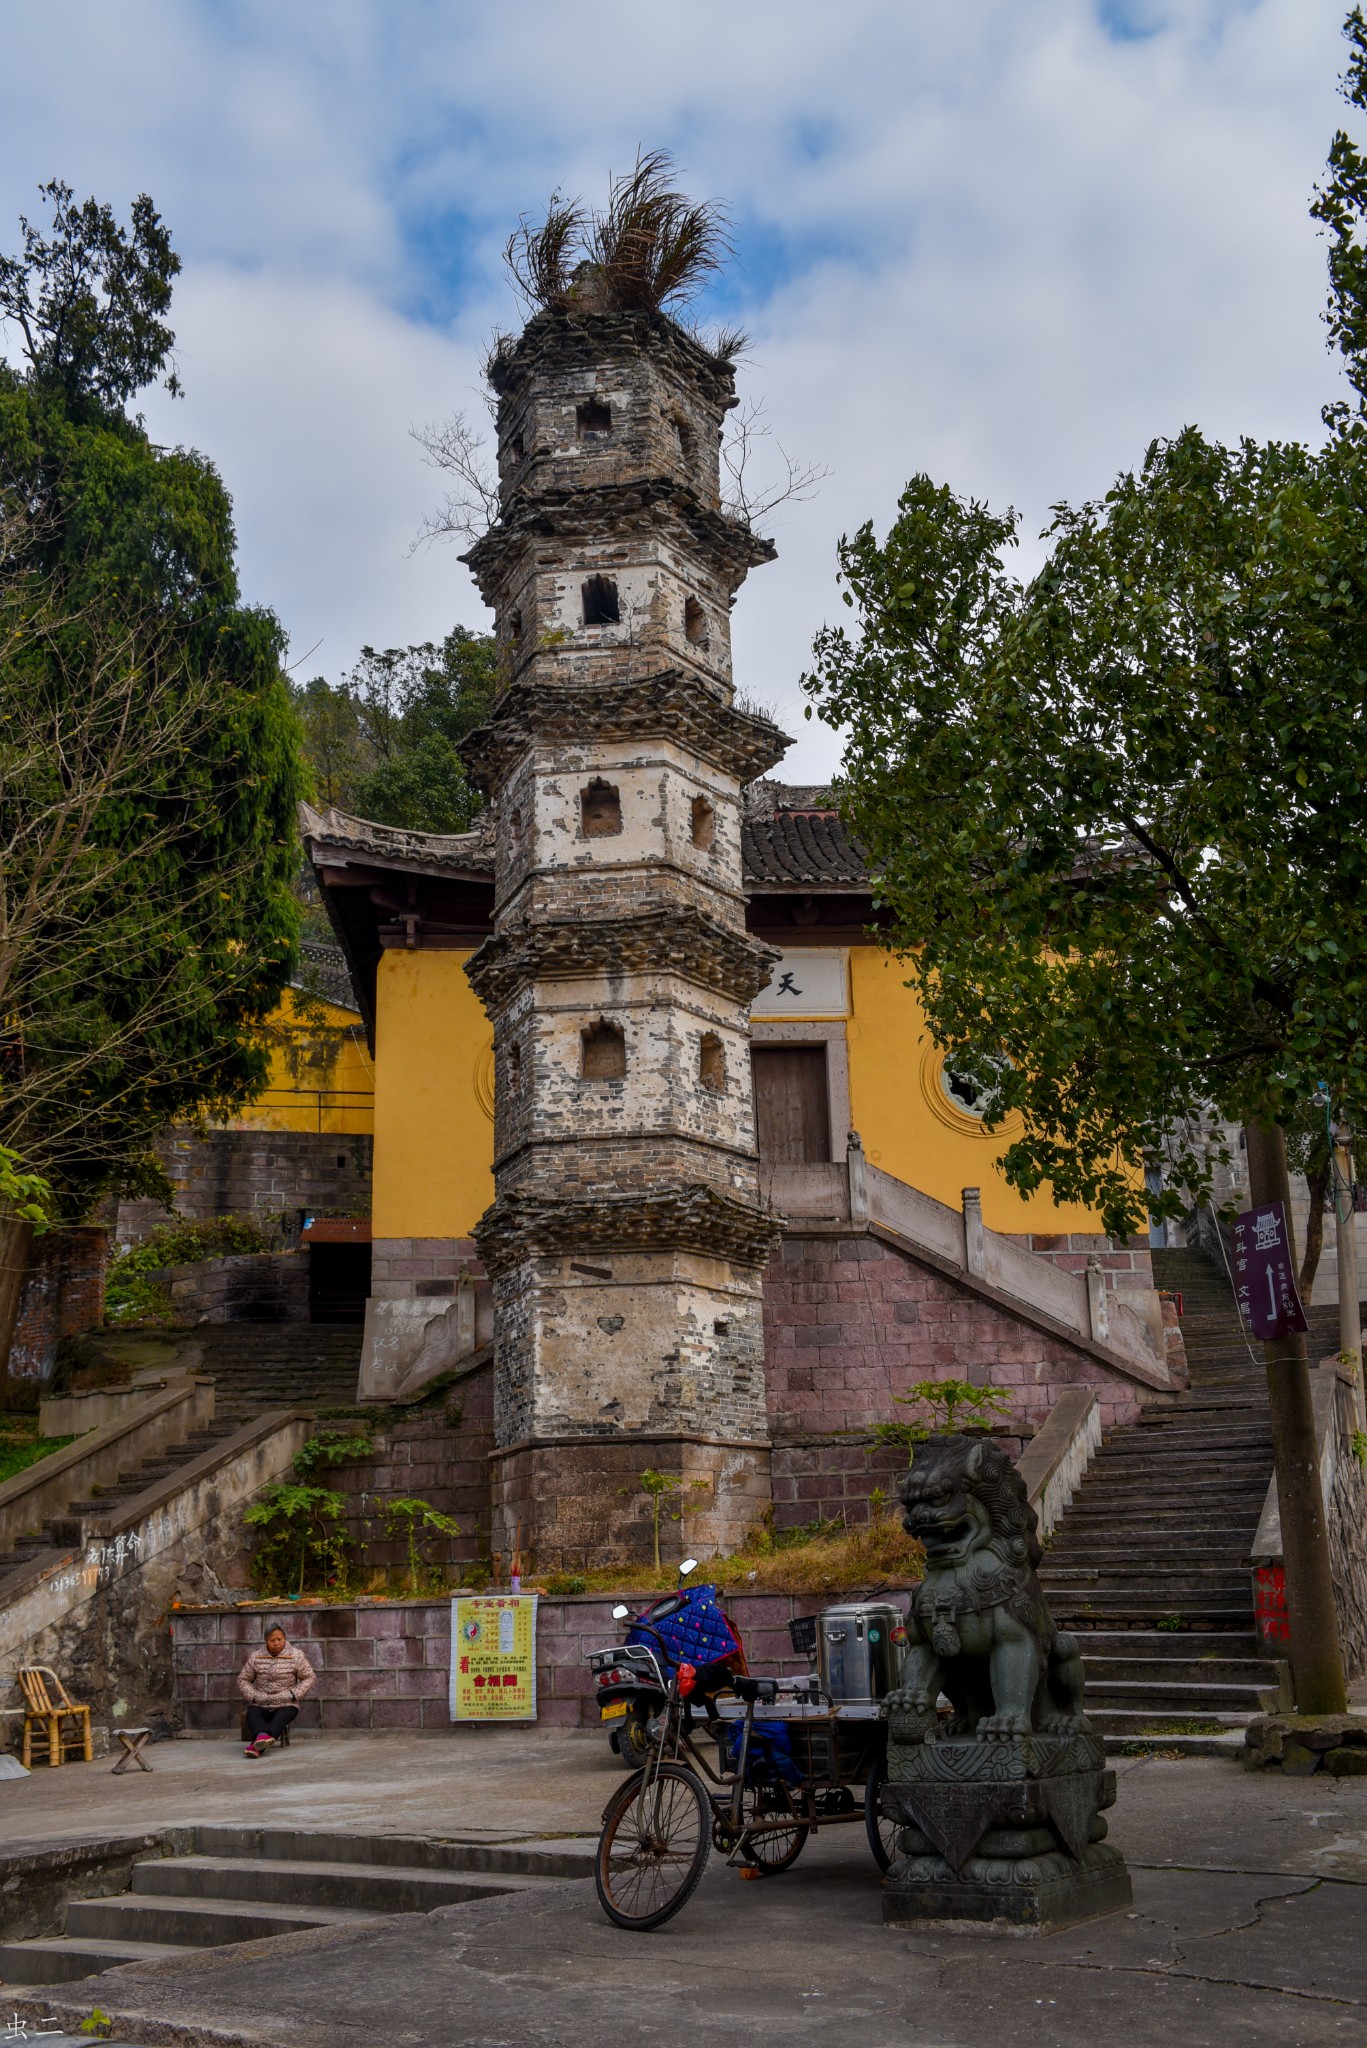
321	1074
434	1128
433	1104
907	1123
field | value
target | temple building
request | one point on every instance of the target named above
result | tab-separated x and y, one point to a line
663	1156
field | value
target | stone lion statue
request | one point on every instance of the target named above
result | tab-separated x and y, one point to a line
979	1630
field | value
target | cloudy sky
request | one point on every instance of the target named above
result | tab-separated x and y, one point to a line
1004	241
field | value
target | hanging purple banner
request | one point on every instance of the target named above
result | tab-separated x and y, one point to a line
1264	1276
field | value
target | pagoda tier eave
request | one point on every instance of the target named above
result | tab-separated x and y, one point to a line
585	513
668	705
696	1218
681	941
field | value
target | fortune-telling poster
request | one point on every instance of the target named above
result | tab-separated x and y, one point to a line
493	1657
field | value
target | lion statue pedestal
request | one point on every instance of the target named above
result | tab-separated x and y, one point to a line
1000	1806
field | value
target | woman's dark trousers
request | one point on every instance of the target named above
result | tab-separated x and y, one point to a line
269	1721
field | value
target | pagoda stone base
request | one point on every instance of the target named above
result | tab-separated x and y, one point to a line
1002	1837
577	1503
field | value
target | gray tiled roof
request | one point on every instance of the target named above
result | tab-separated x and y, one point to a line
323	971
793	837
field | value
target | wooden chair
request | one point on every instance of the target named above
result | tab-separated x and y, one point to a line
52	1715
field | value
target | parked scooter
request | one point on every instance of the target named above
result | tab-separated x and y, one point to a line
687	1627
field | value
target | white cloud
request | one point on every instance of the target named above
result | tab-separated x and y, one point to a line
1011	246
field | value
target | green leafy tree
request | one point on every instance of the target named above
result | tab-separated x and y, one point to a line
1118	822
386	743
303	1540
411	1520
1115	813
939	1402
149	764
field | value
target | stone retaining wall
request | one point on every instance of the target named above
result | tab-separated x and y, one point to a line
439	1455
830	1478
387	1665
851	1322
270	1175
244	1287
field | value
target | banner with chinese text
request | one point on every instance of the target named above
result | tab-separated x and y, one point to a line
493	1657
1264	1275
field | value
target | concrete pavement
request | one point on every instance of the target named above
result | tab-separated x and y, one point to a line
1248	1924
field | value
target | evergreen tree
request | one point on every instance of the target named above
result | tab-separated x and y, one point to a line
385	743
149	767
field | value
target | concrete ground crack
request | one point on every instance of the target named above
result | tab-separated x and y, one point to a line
1204	1977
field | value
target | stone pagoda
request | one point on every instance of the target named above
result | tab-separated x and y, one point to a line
626	1241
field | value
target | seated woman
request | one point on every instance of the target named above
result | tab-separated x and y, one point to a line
273	1681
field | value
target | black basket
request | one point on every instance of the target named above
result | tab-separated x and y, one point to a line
803	1635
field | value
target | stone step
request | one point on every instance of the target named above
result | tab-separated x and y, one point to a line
1154	1448
1105	1671
1160	1642
1199	1576
1158	1558
1122	1721
203	1923
291	1883
1119	1532
1105	1516
63	1958
1212	1498
281	1843
255	1883
1091	1606
1173	1697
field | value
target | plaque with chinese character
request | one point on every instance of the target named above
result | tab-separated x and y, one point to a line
1264	1274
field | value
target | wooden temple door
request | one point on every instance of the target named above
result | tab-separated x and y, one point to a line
792	1104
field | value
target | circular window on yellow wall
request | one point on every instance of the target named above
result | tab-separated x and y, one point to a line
960	1100
484	1080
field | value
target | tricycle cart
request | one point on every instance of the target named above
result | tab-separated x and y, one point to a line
805	1764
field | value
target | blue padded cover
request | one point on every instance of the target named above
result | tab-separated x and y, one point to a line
693	1629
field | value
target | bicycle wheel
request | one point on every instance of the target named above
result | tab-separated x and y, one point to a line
882	1833
653	1848
778	1848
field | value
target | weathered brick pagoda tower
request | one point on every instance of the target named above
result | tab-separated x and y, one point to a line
626	1240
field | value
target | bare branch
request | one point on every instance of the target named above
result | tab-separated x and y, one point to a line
747	497
453	446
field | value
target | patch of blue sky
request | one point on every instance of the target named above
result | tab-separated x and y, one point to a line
1130	21
768	257
449	257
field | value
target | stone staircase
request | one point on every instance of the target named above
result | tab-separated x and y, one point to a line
247	1884
64	1529
256	1367
1150	1564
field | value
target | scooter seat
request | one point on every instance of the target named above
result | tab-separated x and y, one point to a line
761	1690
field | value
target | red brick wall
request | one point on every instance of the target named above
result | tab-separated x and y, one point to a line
830	1478
435	1458
387	1666
1122	1265
63	1295
850	1322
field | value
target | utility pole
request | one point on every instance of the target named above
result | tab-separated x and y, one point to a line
1345	1237
1315	1651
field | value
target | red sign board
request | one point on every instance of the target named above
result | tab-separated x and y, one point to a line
1264	1276
1269	1604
